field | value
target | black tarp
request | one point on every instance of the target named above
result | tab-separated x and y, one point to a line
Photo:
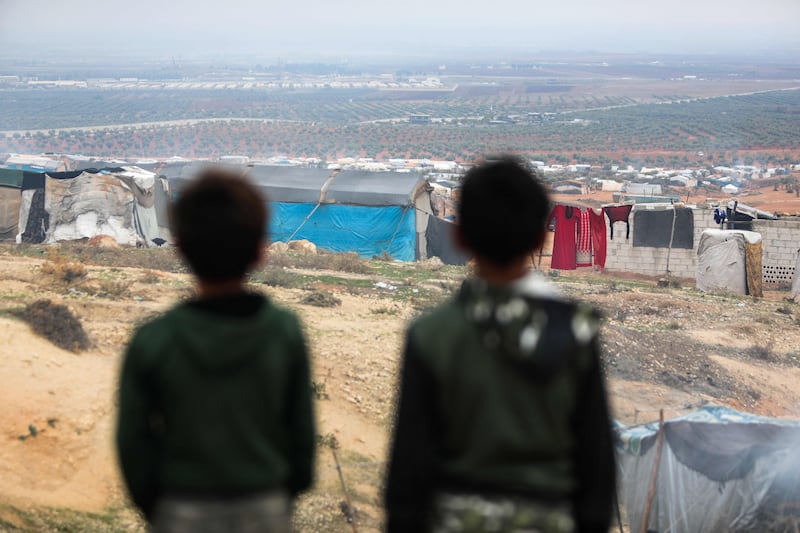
652	228
439	237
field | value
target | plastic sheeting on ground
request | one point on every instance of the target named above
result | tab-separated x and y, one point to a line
369	231
720	470
722	262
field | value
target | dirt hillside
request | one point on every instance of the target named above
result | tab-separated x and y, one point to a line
672	348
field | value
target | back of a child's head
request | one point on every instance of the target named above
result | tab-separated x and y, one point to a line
219	222
503	210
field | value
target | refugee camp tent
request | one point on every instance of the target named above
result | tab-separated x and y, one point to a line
127	203
11	181
730	261
371	213
719	470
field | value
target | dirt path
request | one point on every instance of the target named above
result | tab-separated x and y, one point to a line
673	349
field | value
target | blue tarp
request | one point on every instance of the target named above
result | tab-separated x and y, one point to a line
369	231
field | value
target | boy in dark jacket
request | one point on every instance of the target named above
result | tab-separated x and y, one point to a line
502	421
216	429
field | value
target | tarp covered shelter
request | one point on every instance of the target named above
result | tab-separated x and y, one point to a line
11	184
796	279
371	213
730	261
128	204
719	470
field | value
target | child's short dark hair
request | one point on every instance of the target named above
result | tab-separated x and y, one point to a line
503	210
219	222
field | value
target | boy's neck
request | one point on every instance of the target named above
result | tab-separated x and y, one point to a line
501	275
215	289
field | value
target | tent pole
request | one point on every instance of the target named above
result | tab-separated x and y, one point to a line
654	477
619	514
671	237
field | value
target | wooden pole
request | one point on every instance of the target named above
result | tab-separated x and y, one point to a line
619	514
654	477
671	237
350	512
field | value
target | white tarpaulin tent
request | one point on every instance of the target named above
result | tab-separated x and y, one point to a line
719	470
122	203
721	260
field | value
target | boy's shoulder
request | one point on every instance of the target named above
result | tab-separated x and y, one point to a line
185	315
523	323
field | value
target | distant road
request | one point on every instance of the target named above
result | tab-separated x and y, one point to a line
143	125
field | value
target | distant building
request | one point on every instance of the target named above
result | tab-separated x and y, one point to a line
419	118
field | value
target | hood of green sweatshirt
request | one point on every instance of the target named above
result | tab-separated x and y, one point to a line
218	343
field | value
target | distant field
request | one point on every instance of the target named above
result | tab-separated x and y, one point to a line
600	121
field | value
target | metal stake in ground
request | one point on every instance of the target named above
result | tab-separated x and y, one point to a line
347	508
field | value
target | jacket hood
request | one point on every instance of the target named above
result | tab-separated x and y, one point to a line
220	343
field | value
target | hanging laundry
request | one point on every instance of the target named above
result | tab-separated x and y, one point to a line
583	239
598	224
720	214
619	213
564	246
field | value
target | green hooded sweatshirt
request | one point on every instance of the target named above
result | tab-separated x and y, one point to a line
216	403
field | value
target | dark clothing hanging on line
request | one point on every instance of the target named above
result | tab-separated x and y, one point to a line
619	213
654	228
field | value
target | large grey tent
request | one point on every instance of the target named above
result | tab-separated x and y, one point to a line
719	470
371	213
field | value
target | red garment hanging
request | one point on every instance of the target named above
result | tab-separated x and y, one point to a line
598	224
583	239
564	246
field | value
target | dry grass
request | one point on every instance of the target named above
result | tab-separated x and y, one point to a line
63	271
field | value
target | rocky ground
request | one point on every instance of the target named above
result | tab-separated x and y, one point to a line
670	348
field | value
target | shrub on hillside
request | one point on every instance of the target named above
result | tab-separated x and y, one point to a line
56	323
62	270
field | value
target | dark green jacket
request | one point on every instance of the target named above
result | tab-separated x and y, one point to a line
215	400
501	394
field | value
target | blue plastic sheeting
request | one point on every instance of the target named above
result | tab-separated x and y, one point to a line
369	231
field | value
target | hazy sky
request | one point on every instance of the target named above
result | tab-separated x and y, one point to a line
327	28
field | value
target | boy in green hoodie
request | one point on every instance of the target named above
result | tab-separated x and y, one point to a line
216	429
502	422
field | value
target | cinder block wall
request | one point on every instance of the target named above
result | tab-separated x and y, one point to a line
623	257
781	241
